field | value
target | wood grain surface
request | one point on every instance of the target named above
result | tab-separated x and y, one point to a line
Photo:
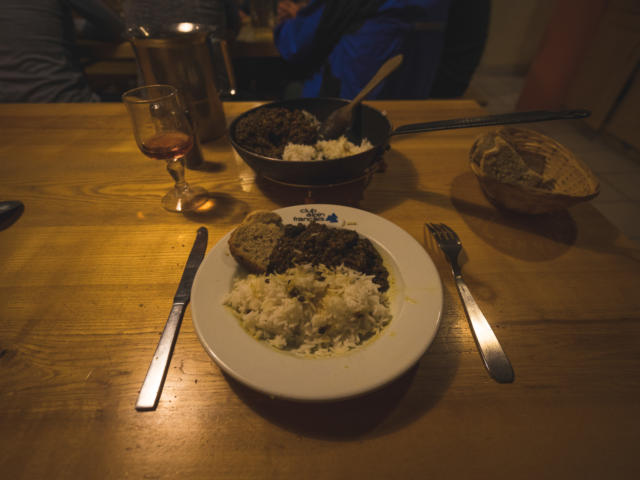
90	268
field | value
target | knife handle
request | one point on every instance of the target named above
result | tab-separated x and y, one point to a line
152	385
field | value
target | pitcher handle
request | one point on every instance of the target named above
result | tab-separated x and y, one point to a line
223	68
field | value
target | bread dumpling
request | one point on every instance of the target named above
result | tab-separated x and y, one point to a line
252	242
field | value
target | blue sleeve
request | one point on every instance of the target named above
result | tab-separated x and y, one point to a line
294	38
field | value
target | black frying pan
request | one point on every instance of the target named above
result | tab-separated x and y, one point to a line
368	123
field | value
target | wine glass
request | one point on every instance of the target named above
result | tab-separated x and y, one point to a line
163	132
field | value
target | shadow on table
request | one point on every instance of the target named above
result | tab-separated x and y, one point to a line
349	194
547	236
210	167
382	411
382	193
219	206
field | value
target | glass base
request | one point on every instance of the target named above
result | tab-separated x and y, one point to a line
185	200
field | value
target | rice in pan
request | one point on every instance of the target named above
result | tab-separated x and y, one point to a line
324	150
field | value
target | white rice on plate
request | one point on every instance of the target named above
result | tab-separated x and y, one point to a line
324	150
311	309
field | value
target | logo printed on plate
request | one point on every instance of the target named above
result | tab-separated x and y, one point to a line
313	215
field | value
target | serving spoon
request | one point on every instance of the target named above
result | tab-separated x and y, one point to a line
340	120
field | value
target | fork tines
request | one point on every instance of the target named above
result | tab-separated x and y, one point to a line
441	230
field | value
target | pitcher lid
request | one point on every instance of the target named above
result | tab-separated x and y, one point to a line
167	31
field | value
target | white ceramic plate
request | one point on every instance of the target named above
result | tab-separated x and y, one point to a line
416	304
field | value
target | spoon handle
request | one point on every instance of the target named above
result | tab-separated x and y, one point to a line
386	68
500	119
9	206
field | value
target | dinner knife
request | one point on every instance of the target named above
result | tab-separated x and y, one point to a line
153	382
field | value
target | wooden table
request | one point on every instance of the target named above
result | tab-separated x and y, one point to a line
89	270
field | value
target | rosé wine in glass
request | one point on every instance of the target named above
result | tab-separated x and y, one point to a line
163	132
167	146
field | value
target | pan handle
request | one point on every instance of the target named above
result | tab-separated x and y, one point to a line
500	119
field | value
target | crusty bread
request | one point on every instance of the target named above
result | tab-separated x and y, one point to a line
253	240
263	216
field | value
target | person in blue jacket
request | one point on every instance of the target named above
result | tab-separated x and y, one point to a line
339	45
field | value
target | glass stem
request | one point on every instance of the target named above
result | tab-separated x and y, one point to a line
175	168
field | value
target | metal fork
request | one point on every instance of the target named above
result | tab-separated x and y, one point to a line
494	358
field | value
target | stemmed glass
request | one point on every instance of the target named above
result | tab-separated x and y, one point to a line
163	132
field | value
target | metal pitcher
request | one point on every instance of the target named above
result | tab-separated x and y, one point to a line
186	56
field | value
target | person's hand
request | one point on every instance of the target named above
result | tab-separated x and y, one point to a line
287	10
